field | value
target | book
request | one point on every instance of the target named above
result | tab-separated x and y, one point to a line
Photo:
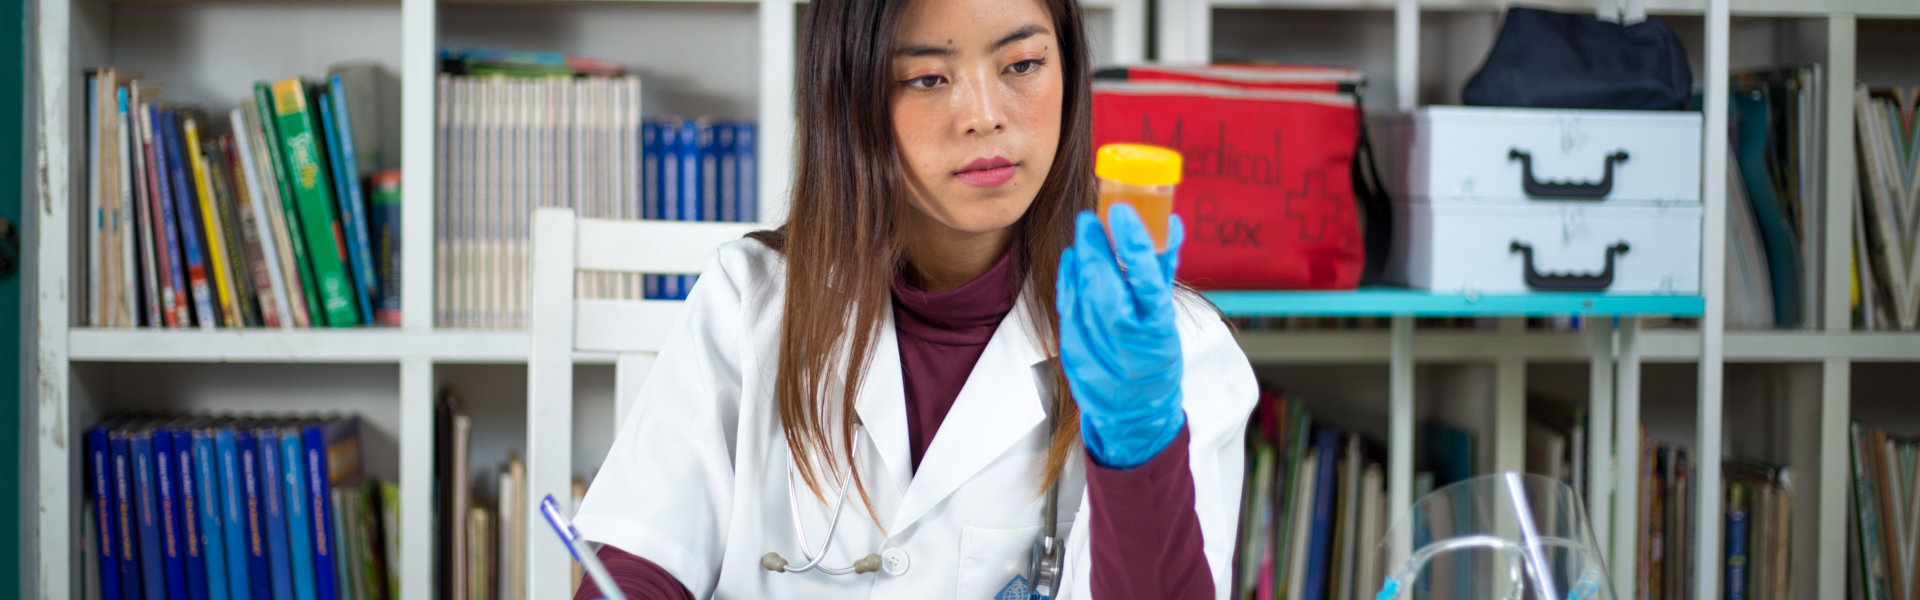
132	159
263	245
296	509
106	511
389	499
1300	544
513	520
1326	445
313	195
352	233
152	558
273	513
320	445
240	539
166	486
208	511
126	500
218	161
211	225
185	514
186	212
1736	544
269	132
383	220
173	292
255	490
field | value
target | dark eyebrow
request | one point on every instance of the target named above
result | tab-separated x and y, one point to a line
919	50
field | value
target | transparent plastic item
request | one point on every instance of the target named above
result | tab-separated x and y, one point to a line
1141	176
1505	536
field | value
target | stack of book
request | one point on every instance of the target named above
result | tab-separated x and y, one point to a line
1313	509
521	130
236	507
260	216
1887	230
1884	517
481	534
1774	190
1756	517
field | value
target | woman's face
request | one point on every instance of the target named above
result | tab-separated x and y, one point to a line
976	103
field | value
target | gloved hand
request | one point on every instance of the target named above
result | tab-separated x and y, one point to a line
1118	344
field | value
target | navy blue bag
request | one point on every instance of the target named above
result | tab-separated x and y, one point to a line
1546	59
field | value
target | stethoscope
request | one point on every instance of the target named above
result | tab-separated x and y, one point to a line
1044	566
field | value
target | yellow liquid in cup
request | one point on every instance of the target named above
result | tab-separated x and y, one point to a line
1154	207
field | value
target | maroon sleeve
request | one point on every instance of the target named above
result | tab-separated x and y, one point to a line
1144	517
638	578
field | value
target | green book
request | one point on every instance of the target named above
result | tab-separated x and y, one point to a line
313	197
263	102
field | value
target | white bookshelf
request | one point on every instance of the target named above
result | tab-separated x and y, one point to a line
210	51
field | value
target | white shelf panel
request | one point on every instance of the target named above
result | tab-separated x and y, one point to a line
307	346
1656	346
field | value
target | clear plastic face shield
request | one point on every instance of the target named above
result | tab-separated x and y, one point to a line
1506	536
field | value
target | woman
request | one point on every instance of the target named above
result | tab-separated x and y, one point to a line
889	346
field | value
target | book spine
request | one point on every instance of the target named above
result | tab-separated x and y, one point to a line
132	160
693	203
106	509
94	215
383	219
126	499
211	226
350	232
353	210
152	561
745	149
312	197
173	293
273	513
186	509
289	291
276	169
253	243
167	490
312	446
126	284
185	212
220	177
262	246
293	506
1736	581
650	190
253	514
213	543
1320	545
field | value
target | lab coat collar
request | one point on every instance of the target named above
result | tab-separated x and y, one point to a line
999	404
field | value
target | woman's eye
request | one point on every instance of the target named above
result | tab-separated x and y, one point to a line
924	82
1026	66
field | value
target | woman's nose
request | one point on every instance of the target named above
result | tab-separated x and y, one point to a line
980	106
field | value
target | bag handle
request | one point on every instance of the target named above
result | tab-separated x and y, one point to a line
1375	205
1567	282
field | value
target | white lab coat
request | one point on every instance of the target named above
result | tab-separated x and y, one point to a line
696	478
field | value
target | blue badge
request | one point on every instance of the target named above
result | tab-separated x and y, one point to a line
1016	589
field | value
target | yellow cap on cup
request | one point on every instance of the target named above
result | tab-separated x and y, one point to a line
1137	164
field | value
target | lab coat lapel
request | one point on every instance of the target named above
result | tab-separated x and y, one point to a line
999	404
882	405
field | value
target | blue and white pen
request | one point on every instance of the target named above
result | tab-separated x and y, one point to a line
578	548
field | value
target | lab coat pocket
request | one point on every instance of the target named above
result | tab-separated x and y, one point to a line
996	563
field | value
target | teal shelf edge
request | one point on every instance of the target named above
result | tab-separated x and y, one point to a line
1390	302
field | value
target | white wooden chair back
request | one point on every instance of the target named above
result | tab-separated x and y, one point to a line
632	330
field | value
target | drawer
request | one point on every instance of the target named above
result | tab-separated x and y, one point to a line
1518	248
1481	154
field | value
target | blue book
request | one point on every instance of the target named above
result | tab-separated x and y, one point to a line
186	509
1736	569
259	556
650	190
1750	118
294	507
726	176
105	510
185	209
1320	541
326	445
207	491
170	231
692	194
233	512
346	176
669	188
152	570
748	187
273	514
167	488
126	520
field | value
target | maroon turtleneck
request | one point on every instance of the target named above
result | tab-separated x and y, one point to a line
1140	516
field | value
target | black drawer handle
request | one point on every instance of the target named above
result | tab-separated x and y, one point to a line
1565	189
1568	282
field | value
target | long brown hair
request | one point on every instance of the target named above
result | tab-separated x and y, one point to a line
843	241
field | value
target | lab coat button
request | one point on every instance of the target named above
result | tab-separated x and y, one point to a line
894	561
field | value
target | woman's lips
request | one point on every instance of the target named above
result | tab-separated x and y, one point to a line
987	172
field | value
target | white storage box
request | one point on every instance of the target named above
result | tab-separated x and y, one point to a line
1460	154
1539	247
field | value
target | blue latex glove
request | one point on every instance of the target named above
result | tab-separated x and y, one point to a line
1118	344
